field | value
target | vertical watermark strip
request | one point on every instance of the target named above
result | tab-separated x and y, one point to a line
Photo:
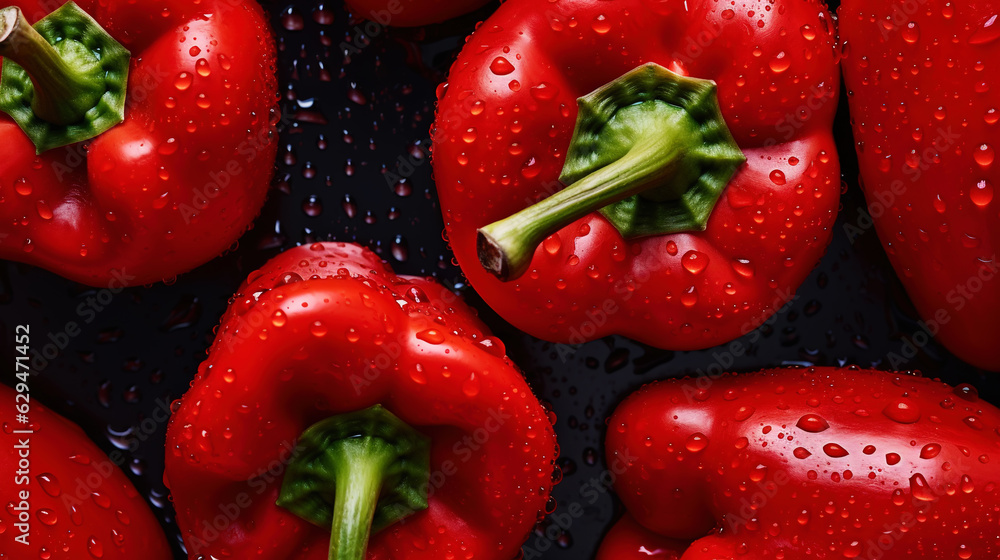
22	434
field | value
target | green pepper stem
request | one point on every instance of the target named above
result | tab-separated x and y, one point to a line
506	247
359	482
358	473
63	94
651	151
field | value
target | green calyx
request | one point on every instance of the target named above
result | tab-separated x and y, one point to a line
357	473
64	80
651	152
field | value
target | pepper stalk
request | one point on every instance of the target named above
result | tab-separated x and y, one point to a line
64	80
651	151
357	473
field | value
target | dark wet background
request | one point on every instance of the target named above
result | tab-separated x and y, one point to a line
349	119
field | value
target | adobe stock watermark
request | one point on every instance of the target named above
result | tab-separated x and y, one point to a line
139	91
462	452
375	25
790	124
751	503
220	178
959	296
250	323
881	201
724	359
406	166
901	16
696	44
103	469
590	492
387	359
446	127
55	342
229	512
923	507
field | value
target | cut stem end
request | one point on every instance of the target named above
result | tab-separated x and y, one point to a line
492	256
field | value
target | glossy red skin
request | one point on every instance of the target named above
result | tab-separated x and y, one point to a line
819	506
628	540
938	238
651	296
112	210
287	379
85	492
412	13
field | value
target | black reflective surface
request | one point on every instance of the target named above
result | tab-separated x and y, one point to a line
347	120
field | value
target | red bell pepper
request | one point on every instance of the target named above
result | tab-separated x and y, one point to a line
628	540
64	498
925	124
106	177
651	238
458	463
812	463
412	13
